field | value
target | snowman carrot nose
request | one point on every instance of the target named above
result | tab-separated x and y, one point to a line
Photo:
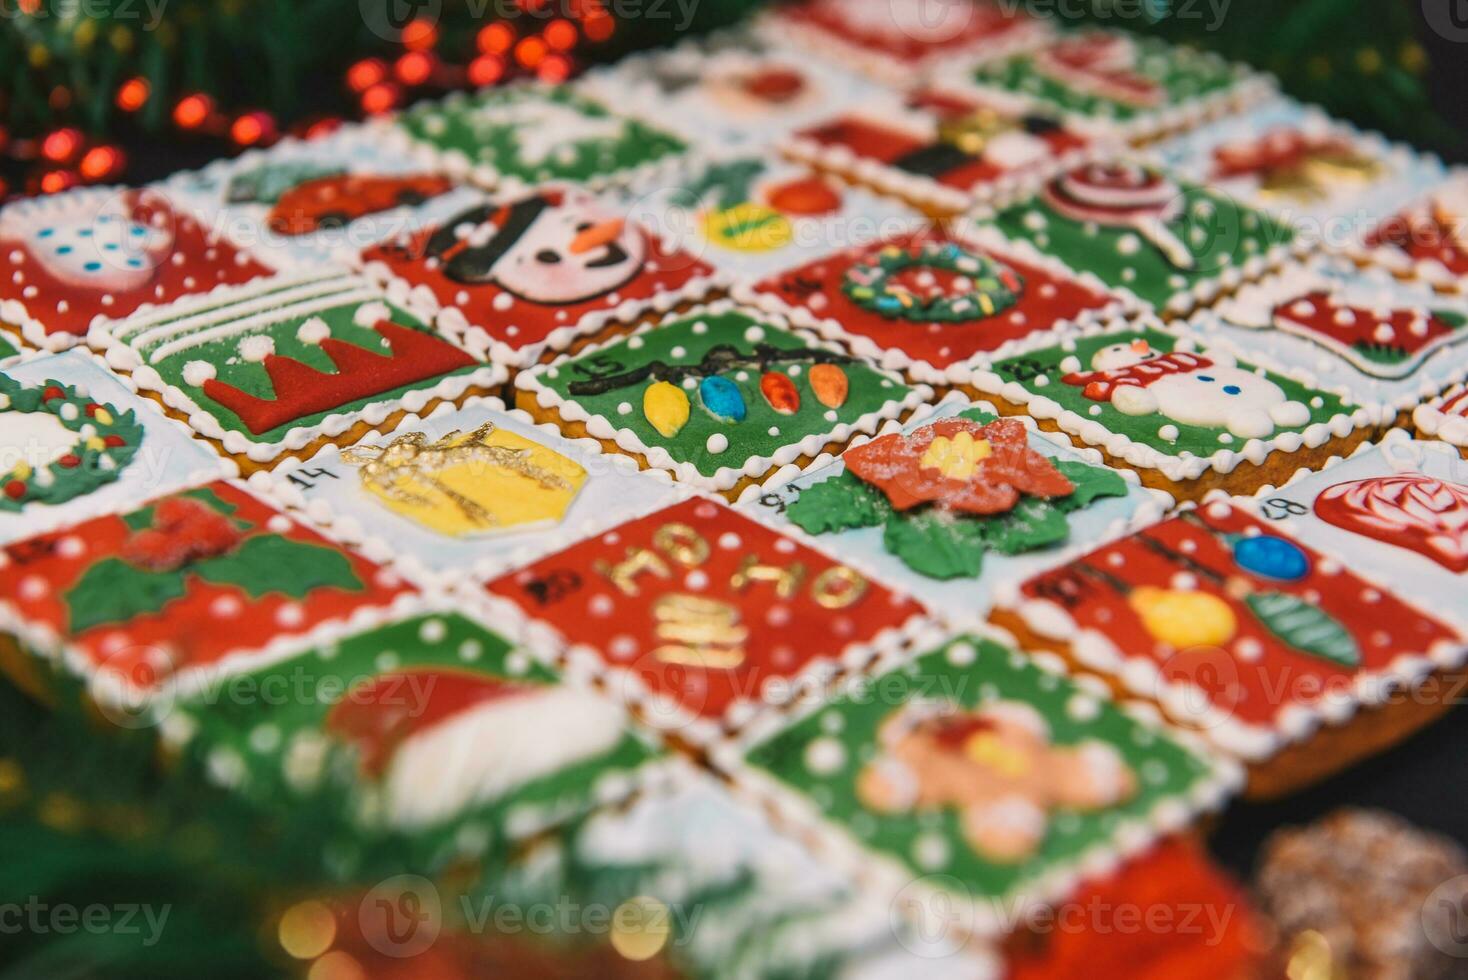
1140	346
597	234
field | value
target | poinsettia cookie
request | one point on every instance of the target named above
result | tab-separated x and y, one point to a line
427	723
523	135
1428	237
466	491
748	216
1390	343
717	396
313	200
957	501
157	598
1168	243
980	775
943	148
275	366
935	303
1188	418
67	260
77	442
1124	84
521	274
1446	418
1240	629
896	42
703	618
1330	181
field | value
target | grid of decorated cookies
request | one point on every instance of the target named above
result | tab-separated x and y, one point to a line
941	459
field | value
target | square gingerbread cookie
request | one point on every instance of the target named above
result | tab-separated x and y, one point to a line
519	136
1272	645
518	275
705	619
276	366
467	492
935	303
1167	243
79	443
156	599
717	396
1187	417
1426	237
69	260
975	778
958	501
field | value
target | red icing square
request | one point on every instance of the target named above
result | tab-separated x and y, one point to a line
1197	594
556	259
73	257
184	581
711	608
911	30
1044	300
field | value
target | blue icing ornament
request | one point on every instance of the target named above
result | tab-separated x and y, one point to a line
722	399
1271	557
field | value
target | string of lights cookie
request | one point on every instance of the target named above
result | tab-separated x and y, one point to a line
106	442
979	286
719	359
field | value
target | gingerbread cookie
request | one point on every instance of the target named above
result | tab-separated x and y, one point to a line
935	304
466	492
1390	343
272	367
717	396
1187	417
944	148
957	501
1169	244
380	724
1243	630
975	776
80	443
155	600
520	136
1426	237
69	260
704	619
1124	84
514	277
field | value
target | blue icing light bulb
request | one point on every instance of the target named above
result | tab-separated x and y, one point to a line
1272	557
722	399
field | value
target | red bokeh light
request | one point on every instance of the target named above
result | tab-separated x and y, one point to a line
486	70
380	98
366	73
133	94
420	35
192	110
415	68
531	51
555	68
496	38
101	162
561	35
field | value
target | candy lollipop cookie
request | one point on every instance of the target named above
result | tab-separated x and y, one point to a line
1123	195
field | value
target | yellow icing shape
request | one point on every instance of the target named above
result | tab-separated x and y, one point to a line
956	458
1184	619
666	408
748	228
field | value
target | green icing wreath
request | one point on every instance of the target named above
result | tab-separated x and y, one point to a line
107	440
872	286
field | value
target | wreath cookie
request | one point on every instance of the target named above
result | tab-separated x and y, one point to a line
975	285
106	441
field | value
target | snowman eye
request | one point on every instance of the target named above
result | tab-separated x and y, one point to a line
582	226
1206	377
547	257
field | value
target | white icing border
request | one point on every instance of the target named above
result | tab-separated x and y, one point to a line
1177	469
959	372
991	915
1430	420
755	467
121	359
276	486
1294	722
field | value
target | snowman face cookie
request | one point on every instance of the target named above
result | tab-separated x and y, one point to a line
70	259
1158	400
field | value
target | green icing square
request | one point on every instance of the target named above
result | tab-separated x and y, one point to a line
7	349
536	134
1183	74
267	732
1196	440
829	758
687	341
1219	233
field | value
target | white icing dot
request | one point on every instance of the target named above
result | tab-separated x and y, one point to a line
623	647
717	443
1248	649
432	631
1082	707
962	654
470	650
600	605
729	541
754	334
33	587
256	348
290	614
502	302
278	524
226	607
71	546
694	581
625	408
931	851
824	756
195	373
313	331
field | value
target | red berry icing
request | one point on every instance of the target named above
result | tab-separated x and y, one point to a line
183	531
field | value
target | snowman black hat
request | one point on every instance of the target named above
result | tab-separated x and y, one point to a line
464	261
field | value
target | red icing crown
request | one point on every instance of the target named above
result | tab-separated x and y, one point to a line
301	390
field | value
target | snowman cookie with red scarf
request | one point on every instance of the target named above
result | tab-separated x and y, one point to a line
517	277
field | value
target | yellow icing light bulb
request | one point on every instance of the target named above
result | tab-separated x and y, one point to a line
666	408
1184	619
